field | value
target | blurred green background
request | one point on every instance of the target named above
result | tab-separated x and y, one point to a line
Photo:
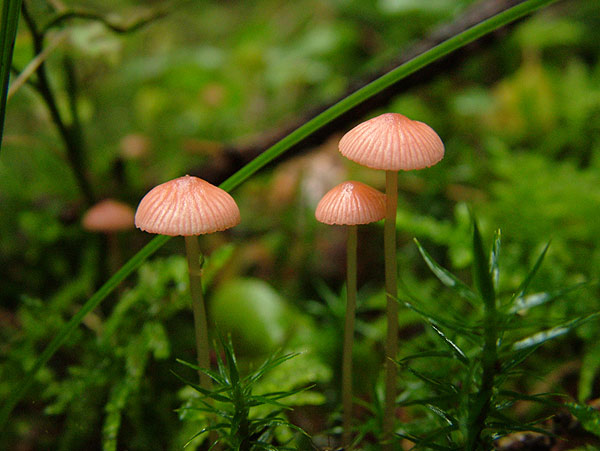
520	119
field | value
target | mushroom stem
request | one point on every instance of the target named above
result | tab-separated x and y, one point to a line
200	323
349	334
391	290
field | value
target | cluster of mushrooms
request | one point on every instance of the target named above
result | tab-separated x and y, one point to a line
389	142
189	206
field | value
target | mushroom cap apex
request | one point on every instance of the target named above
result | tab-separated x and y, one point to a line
392	142
351	203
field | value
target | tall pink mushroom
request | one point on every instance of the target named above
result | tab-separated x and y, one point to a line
392	142
190	206
350	203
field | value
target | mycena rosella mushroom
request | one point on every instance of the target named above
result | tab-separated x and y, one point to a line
392	142
189	206
350	203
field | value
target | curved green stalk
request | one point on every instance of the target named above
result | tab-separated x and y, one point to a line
192	250
420	61
391	292
349	334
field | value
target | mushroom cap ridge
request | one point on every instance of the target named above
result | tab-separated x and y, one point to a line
351	203
392	142
186	206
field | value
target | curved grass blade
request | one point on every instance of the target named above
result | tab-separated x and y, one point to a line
447	278
524	303
426	354
532	272
373	88
547	335
456	351
465	330
8	33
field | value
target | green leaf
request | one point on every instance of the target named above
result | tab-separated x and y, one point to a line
114	409
515	358
524	303
442	386
532	272
447	278
550	334
440	399
458	353
426	354
8	32
587	416
431	318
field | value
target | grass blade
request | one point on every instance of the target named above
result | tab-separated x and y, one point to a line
456	351
550	334
525	284
373	88
8	33
524	303
447	278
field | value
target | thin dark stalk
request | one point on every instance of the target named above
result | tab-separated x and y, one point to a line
349	334
483	399
200	323
478	411
391	291
9	20
70	135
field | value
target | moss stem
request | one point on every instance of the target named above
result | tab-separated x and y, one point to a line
200	323
391	290
349	334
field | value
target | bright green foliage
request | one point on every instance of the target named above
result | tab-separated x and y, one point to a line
232	401
464	386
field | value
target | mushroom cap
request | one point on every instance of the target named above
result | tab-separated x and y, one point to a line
351	203
186	206
108	216
392	142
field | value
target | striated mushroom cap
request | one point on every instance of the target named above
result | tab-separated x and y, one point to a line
186	206
351	203
392	142
108	216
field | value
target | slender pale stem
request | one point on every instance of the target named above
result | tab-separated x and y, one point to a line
391	291
200	323
349	334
